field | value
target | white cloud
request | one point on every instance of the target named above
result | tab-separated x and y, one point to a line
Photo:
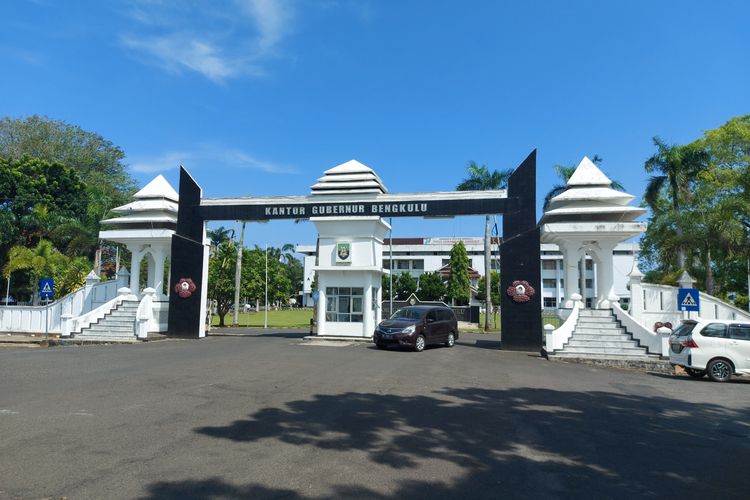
219	40
160	163
207	156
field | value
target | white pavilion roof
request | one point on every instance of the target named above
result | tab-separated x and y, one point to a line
154	209
589	197
351	177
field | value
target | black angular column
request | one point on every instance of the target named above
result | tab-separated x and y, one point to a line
187	312
520	261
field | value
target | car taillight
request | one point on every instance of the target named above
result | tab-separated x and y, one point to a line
689	343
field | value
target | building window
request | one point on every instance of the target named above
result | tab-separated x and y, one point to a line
402	264
548	283
550	302
589	264
549	264
588	302
386	264
446	262
417	264
589	283
344	305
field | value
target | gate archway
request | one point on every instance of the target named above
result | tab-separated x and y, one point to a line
521	321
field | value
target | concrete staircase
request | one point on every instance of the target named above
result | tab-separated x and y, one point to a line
116	326
598	335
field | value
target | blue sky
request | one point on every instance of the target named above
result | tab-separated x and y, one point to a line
259	97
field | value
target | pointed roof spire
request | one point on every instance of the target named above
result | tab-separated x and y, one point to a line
157	188
588	174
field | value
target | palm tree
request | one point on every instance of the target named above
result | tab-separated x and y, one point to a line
676	167
44	260
481	179
220	235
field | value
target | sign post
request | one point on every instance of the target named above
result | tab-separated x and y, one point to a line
688	299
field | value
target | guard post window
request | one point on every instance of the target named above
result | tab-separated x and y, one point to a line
344	304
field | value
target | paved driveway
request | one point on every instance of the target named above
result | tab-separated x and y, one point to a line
272	417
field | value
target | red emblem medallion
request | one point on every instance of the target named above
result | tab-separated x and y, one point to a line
520	291
184	288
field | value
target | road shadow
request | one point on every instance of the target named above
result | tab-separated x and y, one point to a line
516	443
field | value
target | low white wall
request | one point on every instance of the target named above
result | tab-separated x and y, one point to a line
659	304
656	343
555	339
40	319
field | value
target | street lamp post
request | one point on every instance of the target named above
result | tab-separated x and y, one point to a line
265	319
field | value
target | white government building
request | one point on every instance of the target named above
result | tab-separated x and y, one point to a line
423	255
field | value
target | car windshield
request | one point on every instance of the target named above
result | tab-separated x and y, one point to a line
684	329
406	313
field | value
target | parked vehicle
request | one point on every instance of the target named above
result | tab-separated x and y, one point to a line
713	347
416	327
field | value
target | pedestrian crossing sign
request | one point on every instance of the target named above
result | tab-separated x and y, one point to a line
688	299
46	288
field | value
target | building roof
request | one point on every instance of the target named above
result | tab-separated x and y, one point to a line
351	177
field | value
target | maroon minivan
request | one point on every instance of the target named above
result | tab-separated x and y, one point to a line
417	327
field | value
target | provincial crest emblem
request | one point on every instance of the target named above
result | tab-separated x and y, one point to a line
520	291
185	288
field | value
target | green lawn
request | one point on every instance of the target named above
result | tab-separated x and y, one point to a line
295	318
300	318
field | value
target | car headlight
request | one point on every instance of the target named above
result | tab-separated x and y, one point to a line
409	329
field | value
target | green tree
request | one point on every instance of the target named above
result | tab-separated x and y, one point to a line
221	277
495	290
676	168
431	287
97	162
459	285
404	286
481	179
44	260
220	235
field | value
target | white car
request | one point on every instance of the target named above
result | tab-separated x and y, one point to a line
714	347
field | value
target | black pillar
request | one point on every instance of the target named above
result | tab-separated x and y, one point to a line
520	261
187	310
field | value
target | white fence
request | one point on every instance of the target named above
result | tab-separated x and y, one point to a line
650	304
41	319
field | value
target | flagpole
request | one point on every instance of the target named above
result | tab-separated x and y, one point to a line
265	320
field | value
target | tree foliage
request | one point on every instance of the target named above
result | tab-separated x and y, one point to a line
459	285
404	286
700	209
431	287
481	179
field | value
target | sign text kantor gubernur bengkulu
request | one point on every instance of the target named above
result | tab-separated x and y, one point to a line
313	210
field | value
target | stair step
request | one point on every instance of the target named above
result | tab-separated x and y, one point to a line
107	329
643	357
620	351
595	312
574	343
116	321
597	319
600	336
603	331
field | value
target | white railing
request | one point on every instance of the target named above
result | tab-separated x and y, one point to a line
78	323
49	318
555	339
659	304
654	342
145	314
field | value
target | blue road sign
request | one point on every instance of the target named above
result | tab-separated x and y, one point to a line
688	299
315	295
46	288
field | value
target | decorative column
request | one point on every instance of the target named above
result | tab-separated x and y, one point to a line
135	265
636	293
604	274
571	256
158	281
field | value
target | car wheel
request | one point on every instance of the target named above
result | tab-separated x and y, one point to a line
419	344
451	340
720	370
695	373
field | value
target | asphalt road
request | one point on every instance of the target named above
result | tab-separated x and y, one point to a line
273	417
